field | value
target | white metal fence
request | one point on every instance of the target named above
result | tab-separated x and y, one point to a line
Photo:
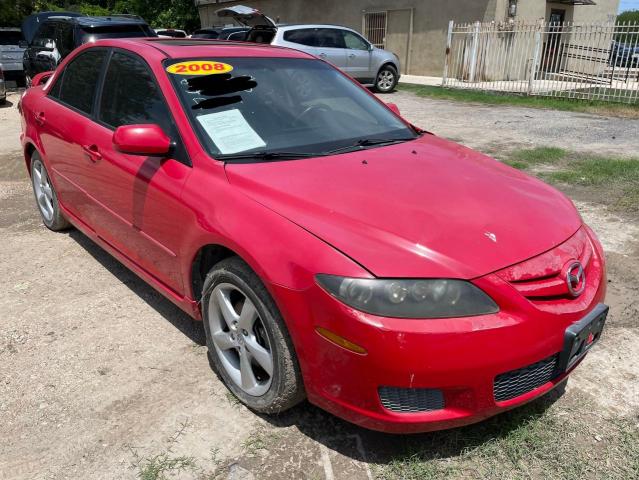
586	61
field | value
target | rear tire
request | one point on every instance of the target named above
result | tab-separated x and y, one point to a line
249	345
386	79
46	197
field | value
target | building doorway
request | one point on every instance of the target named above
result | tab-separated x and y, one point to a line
391	30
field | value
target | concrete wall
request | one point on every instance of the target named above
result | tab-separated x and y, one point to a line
430	18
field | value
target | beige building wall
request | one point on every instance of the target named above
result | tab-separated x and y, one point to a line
430	18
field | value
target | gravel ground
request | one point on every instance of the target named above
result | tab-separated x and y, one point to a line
489	128
100	376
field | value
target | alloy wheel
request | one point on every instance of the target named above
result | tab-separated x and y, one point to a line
43	190
385	80
240	339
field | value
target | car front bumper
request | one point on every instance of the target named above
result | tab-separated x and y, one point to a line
461	358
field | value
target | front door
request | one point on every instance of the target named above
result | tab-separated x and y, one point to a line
139	195
359	57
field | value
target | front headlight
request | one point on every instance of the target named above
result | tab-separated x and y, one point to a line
428	298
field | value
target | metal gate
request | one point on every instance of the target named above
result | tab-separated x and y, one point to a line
586	61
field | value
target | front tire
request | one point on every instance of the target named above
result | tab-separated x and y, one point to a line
46	197
386	79
249	346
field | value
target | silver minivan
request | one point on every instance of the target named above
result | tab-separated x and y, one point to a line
343	47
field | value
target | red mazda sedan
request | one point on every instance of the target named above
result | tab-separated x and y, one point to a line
334	251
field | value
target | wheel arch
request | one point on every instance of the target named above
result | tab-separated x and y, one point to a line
386	64
29	150
205	258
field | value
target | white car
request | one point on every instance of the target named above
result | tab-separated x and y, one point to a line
343	47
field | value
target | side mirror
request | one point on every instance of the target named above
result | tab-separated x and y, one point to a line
41	78
394	108
23	44
371	47
143	139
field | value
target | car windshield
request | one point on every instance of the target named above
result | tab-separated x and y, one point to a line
280	108
91	34
10	38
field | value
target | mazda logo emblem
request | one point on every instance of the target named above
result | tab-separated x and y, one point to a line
575	278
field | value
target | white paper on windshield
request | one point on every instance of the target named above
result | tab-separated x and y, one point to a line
230	131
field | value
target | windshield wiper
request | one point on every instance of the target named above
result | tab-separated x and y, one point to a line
367	142
265	156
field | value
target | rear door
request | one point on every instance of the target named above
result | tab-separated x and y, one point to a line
331	47
139	196
358	56
66	129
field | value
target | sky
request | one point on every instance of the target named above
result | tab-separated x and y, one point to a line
629	5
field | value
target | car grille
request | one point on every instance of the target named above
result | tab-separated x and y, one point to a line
523	380
542	279
411	400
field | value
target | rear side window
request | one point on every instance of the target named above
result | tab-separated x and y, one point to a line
10	37
330	38
46	32
91	34
79	80
303	36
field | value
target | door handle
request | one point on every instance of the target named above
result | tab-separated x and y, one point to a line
39	118
92	152
351	55
323	55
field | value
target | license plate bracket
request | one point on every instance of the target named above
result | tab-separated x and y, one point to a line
581	336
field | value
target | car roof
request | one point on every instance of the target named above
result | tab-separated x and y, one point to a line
311	25
195	47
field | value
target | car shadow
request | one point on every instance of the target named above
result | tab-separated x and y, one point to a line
193	329
7	104
338	435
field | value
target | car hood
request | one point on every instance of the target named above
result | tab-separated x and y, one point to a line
425	208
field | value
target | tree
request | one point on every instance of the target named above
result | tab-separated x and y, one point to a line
629	16
181	14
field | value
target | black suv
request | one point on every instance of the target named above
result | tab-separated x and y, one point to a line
56	35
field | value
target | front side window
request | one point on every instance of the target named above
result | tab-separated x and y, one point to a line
354	42
79	80
130	94
275	105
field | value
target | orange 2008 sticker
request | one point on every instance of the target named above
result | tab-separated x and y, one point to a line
199	67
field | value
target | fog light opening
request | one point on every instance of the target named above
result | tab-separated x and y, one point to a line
340	341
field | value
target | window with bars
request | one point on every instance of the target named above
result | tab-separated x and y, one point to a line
375	28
